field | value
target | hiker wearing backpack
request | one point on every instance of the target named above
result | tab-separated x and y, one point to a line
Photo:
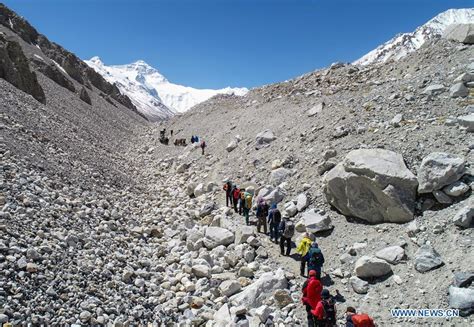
325	311
354	319
315	259
228	193
247	206
311	295
241	201
287	230
302	249
203	146
262	213
235	197
274	219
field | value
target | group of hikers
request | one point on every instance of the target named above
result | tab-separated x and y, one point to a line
319	303
194	139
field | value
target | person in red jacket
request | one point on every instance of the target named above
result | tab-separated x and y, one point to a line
235	197
325	311
311	295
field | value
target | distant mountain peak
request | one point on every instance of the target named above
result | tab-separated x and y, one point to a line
405	43
151	92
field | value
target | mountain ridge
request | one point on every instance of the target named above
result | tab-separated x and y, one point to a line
404	43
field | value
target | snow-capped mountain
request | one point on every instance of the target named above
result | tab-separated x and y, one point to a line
403	44
151	92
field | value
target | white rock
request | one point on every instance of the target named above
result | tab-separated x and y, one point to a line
369	266
201	271
391	254
215	236
456	189
302	202
243	234
467	122
229	287
263	312
314	222
279	175
254	294
358	285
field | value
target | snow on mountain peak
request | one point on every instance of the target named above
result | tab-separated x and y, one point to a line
151	92
403	44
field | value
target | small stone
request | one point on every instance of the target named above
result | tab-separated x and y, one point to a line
85	316
358	285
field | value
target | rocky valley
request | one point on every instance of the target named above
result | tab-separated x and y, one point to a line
101	224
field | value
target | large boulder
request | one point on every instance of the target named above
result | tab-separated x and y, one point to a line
314	222
437	170
463	33
279	175
216	236
426	259
373	185
272	195
255	294
369	267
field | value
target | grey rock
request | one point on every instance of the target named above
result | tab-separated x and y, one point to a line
231	146
463	279
359	286
318	108
467	122
426	259
243	234
463	217
325	166
441	197
458	90
206	209
437	170
328	154
265	138
263	312
201	271
279	175
434	89
395	122
374	185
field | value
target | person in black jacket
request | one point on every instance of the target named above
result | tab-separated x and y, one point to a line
274	219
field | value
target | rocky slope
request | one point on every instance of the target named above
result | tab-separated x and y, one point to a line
405	43
151	92
100	224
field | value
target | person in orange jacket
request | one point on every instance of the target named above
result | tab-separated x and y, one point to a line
311	295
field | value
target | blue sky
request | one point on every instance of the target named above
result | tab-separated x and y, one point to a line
216	43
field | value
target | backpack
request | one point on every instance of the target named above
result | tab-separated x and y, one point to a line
329	312
276	217
362	320
289	230
315	257
248	202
